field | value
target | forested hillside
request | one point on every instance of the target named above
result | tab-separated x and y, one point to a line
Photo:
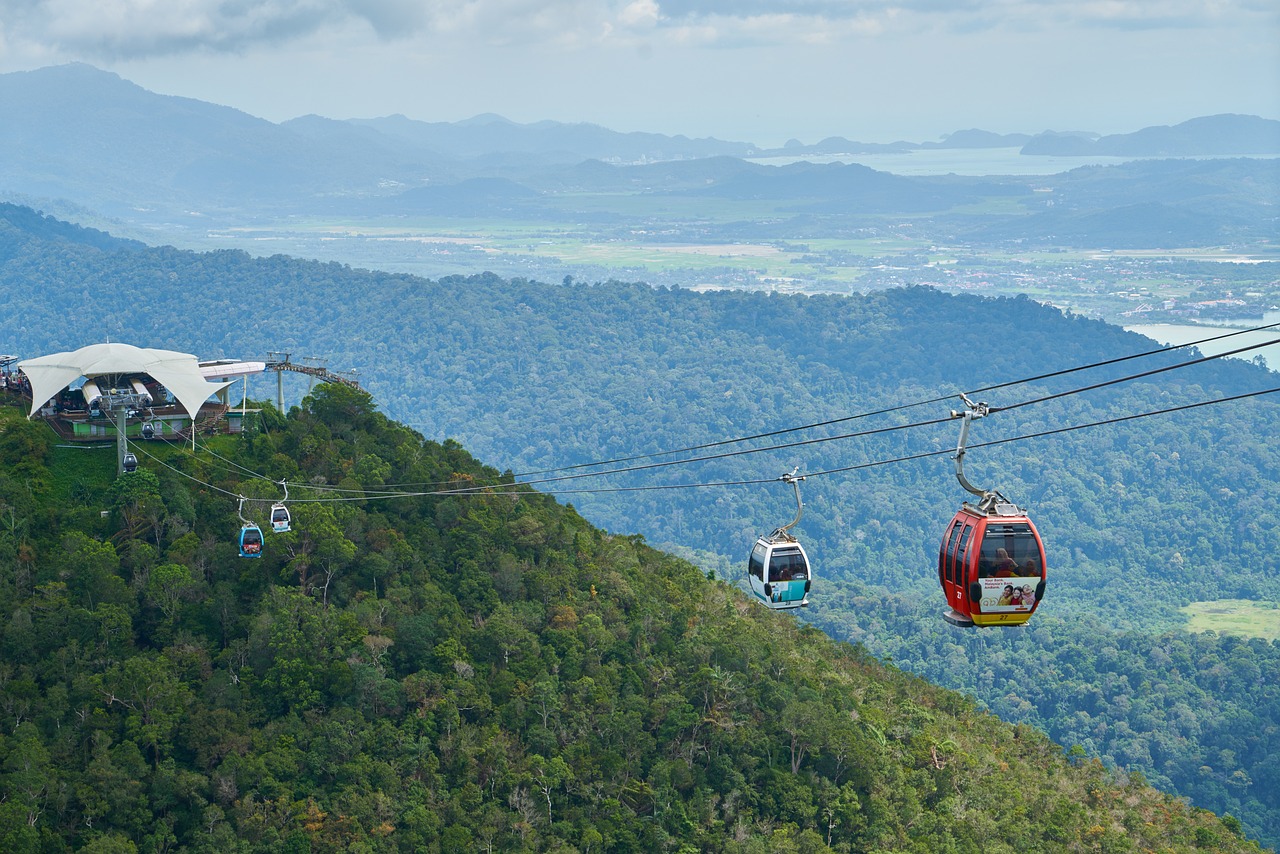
451	673
1139	517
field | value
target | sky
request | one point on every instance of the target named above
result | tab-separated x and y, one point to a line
758	71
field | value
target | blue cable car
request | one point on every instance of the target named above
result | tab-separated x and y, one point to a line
778	570
250	540
250	534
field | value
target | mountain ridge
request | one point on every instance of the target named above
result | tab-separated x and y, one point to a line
453	670
97	140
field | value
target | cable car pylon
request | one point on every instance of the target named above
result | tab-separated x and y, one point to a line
991	562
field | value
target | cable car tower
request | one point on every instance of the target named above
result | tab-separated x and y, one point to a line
311	366
123	405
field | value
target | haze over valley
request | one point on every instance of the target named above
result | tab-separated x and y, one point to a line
548	200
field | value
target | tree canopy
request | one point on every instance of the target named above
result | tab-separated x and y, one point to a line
445	672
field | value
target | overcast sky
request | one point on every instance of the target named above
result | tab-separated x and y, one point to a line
761	71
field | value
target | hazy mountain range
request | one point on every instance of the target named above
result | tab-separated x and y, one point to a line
89	137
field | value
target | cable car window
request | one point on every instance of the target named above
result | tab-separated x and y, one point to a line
1010	550
787	565
756	563
960	551
948	562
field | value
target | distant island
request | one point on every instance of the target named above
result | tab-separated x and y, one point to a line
1222	135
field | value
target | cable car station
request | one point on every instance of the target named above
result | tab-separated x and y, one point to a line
118	390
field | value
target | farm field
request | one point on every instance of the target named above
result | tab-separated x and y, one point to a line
1240	617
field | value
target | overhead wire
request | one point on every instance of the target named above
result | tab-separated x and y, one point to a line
319	487
502	489
900	407
1055	431
882	411
179	471
897	427
1152	372
392	491
908	458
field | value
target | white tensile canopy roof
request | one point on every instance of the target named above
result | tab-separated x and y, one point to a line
178	372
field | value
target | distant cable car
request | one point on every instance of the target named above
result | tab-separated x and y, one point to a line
250	540
129	463
279	518
280	513
778	568
148	430
250	534
991	562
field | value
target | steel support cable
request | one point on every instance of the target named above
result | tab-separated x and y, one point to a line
177	470
904	459
1152	372
1053	432
721	456
887	410
903	406
862	433
366	495
361	497
230	463
498	490
298	484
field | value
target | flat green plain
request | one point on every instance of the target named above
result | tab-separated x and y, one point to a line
1241	617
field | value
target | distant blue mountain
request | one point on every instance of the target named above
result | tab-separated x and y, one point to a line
554	141
1227	135
77	136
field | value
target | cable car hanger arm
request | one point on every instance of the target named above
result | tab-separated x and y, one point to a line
790	477
972	411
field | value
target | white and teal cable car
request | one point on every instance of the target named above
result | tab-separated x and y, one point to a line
778	569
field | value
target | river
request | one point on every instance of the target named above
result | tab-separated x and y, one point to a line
1175	333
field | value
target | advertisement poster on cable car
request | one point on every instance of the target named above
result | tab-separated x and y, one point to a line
1008	594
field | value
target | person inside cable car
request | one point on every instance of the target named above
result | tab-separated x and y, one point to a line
787	566
1006	567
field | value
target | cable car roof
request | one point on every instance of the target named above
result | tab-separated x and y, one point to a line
177	372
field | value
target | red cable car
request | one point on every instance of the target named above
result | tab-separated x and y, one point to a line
991	566
991	562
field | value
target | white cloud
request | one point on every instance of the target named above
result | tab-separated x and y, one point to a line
641	13
95	29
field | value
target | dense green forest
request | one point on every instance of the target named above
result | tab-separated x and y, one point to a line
1139	517
450	673
1193	713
